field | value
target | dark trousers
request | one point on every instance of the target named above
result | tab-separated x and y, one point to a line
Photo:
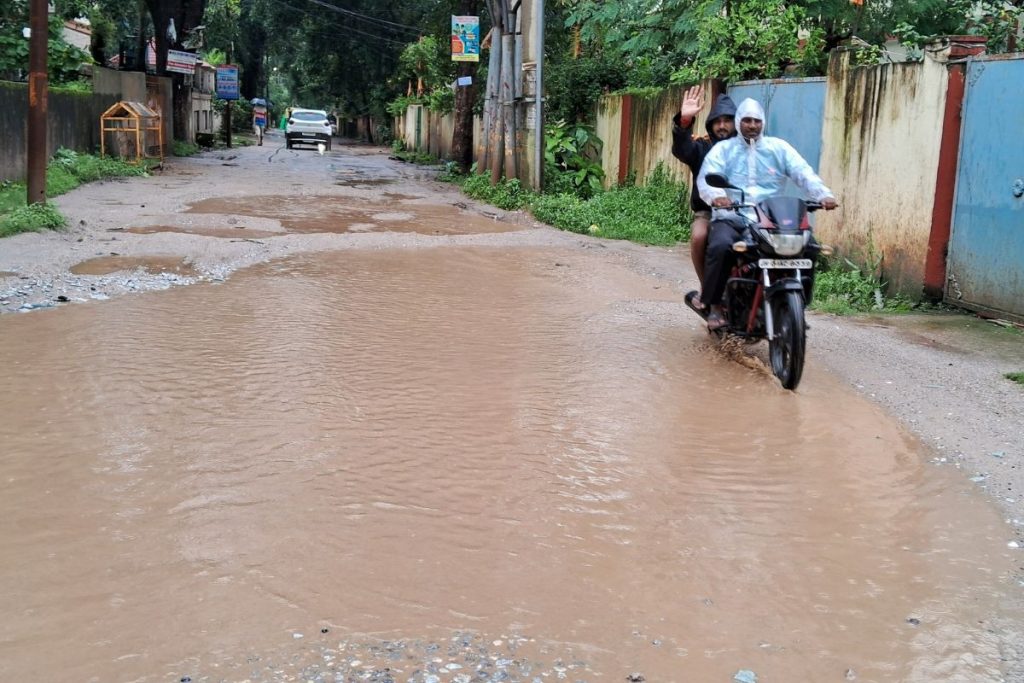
718	260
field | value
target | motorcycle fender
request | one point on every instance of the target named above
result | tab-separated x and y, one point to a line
787	285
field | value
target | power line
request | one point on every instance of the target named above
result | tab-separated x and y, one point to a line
366	17
342	26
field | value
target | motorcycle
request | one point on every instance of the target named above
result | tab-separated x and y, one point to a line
772	280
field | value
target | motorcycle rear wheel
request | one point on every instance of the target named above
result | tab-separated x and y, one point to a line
786	350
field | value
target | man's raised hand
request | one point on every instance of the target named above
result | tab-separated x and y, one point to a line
693	102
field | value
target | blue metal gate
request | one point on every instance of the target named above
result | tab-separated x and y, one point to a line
795	109
985	266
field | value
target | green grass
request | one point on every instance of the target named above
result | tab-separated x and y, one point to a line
1017	377
180	148
31	218
507	194
66	171
845	289
656	213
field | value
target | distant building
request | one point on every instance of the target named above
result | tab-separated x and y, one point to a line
78	32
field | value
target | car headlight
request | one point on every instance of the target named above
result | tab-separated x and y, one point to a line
789	244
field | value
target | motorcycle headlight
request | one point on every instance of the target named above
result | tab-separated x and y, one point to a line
789	244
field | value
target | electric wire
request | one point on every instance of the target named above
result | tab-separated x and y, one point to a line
342	27
365	17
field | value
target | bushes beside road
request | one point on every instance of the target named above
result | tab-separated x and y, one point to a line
655	213
66	171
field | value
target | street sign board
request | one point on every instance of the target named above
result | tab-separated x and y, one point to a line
181	62
465	39
227	82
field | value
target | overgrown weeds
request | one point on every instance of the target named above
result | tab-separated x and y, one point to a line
655	213
399	151
1017	377
844	288
180	148
509	195
66	171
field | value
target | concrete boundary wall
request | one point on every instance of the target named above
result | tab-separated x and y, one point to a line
423	130
637	133
880	155
73	118
73	122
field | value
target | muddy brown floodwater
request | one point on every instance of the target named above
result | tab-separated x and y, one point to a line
316	214
521	445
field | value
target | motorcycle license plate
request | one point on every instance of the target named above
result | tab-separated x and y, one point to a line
802	263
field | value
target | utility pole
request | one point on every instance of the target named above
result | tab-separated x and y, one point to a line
231	55
38	87
538	101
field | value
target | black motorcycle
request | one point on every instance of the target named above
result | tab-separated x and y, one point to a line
772	279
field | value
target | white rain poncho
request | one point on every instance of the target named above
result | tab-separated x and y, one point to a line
760	166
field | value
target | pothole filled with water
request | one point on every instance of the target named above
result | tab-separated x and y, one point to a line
330	214
105	265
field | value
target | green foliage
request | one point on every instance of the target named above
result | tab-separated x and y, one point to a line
31	218
66	171
400	151
990	18
80	87
645	39
1017	377
846	288
397	106
215	57
63	59
180	148
655	213
867	55
507	194
441	100
756	39
424	60
574	153
575	85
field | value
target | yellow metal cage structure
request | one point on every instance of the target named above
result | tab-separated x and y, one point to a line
131	124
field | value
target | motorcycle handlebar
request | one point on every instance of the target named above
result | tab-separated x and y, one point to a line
811	206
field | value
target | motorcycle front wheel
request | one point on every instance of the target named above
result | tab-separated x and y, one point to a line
786	349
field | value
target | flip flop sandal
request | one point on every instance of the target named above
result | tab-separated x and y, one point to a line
692	300
716	322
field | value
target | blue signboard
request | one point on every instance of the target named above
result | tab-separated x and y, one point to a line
227	82
465	39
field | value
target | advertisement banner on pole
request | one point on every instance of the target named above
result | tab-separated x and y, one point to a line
227	82
465	39
181	62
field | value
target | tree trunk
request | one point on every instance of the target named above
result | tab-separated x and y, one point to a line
465	98
186	14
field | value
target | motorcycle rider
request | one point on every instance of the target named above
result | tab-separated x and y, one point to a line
720	125
760	165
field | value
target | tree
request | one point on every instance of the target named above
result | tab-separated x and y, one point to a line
754	39
465	99
173	21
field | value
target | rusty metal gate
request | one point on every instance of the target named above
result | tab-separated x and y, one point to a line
985	269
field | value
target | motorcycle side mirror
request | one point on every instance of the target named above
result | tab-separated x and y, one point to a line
719	180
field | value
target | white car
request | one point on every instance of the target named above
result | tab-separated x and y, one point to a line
308	126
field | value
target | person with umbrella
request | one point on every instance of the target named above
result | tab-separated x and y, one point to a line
259	117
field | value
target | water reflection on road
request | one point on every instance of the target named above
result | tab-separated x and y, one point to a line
407	444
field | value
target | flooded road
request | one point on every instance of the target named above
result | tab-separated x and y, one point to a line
464	464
